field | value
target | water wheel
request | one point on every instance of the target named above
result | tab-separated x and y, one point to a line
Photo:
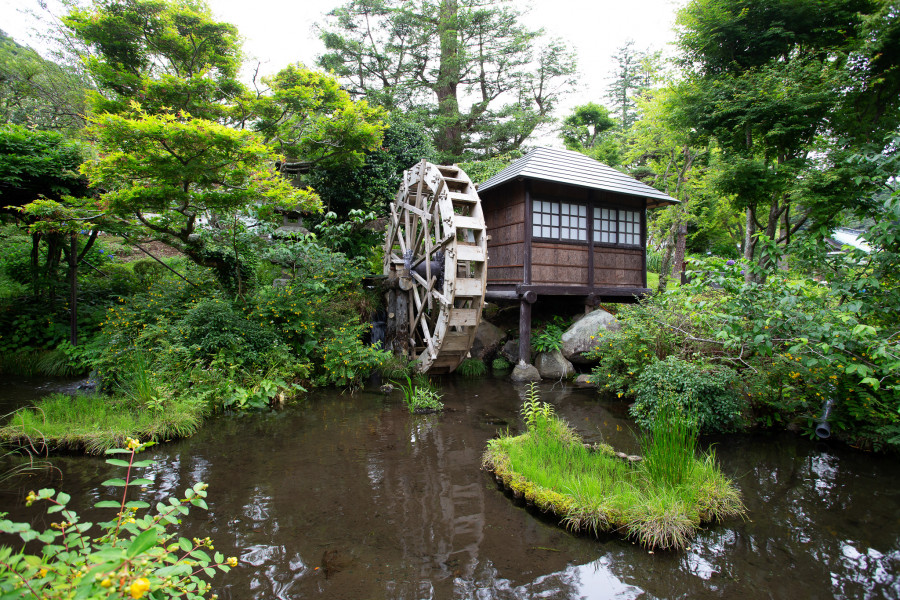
436	251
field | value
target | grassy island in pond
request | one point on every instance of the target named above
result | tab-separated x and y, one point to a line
659	501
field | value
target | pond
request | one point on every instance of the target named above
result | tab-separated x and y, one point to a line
350	496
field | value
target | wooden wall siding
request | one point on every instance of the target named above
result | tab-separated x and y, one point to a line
618	267
559	264
504	217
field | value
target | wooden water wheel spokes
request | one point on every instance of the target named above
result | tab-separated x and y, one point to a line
436	247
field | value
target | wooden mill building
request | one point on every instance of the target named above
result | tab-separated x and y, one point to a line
563	224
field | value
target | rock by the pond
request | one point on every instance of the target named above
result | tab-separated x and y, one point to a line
584	380
510	351
576	341
552	365
488	338
523	373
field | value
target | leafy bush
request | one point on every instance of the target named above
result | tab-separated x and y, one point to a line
703	393
130	555
346	359
215	326
500	364
548	337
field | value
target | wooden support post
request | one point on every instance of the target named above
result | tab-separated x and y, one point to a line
390	329
401	313
525	331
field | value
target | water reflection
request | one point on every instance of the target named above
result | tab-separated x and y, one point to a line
352	497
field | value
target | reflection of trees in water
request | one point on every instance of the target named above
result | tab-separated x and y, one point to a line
397	508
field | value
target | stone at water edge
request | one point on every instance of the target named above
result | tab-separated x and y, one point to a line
524	373
576	341
488	338
553	365
584	380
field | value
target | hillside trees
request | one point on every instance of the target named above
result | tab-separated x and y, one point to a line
38	93
476	75
789	91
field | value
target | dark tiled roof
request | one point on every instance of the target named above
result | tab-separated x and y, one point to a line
573	168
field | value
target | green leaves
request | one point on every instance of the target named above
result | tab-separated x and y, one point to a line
131	542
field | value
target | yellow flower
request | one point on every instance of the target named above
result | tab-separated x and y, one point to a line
106	582
140	587
231	561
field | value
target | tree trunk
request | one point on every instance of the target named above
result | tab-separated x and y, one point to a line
35	264
449	140
680	245
749	231
73	291
786	235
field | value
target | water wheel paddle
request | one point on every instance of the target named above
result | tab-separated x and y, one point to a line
436	247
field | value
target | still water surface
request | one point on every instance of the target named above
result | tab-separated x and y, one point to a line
351	497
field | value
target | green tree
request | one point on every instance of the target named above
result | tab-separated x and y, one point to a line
789	91
634	74
40	166
38	93
469	67
373	185
589	130
185	149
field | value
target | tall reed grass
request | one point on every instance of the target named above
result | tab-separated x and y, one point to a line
659	501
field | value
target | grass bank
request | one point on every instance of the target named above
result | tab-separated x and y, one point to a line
660	501
95	423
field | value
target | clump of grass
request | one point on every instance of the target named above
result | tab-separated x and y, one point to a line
658	504
95	423
396	367
420	394
472	367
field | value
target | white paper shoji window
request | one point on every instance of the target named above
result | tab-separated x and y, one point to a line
573	222
613	226
605	225
629	227
545	219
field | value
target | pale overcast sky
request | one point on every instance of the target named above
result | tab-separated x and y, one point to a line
278	32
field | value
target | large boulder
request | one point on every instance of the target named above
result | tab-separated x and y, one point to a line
553	365
510	351
524	373
580	337
488	338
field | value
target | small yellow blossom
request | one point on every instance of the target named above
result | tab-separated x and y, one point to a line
231	561
140	587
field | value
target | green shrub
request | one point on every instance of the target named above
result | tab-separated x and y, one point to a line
132	555
702	392
500	364
472	367
214	325
346	360
548	337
